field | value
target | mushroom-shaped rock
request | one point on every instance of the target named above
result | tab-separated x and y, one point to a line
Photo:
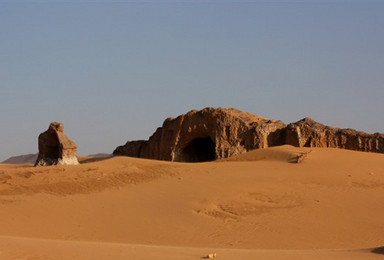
55	148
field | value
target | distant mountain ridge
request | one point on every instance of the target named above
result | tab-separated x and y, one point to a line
22	159
32	157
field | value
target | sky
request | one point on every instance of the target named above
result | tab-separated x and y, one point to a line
113	71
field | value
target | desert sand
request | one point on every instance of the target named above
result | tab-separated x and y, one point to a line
258	205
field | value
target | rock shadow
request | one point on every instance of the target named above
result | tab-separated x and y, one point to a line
378	250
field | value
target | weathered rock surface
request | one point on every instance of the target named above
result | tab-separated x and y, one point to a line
55	148
215	133
308	133
208	134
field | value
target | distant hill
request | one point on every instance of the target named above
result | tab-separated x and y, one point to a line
31	158
22	159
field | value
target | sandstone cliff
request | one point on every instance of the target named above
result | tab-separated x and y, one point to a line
55	148
215	133
308	133
208	134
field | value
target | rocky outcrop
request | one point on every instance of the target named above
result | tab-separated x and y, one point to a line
308	133
215	133
55	148
208	134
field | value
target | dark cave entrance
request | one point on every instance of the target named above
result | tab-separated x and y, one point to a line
199	150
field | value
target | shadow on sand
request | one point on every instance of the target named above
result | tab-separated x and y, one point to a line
378	250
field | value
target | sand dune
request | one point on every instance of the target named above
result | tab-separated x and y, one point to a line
330	205
31	248
282	153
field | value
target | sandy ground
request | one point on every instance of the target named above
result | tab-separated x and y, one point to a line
258	205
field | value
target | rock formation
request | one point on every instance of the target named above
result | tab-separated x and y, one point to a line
205	135
308	133
215	133
55	148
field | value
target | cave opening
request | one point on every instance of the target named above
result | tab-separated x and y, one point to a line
199	150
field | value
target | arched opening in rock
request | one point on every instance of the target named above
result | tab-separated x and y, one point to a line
199	150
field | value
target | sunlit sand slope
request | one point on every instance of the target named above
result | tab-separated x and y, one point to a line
329	203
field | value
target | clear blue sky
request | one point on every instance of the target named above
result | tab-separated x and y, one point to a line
112	71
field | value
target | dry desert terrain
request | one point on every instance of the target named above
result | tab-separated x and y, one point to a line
259	205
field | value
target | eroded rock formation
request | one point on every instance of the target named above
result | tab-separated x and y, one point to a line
55	148
308	133
214	133
208	134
